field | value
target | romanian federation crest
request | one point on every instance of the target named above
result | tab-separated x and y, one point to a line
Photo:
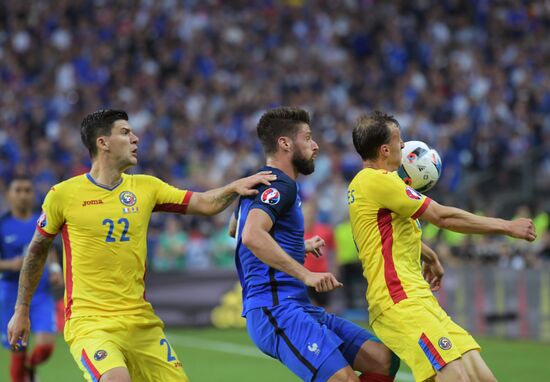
127	198
100	354
444	343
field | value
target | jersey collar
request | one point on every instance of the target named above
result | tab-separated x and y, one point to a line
101	185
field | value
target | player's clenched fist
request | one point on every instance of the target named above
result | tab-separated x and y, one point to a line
18	330
322	282
523	229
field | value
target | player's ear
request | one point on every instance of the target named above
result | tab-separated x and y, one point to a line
284	143
385	150
102	143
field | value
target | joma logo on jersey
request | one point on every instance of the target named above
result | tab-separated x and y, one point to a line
91	202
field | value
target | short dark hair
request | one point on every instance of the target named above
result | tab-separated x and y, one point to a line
99	123
372	131
277	123
19	178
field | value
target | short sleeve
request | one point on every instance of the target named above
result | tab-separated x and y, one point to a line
276	199
390	192
52	218
169	198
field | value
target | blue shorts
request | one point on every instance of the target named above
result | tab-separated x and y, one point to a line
42	312
309	341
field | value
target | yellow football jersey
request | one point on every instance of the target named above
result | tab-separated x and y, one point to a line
104	234
383	212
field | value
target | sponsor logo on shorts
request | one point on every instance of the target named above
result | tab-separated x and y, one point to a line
100	354
445	343
177	364
127	198
314	348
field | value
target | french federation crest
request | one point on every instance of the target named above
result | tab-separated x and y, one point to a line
271	196
413	194
127	198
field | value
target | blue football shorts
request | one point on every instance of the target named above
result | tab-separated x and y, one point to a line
309	341
42	312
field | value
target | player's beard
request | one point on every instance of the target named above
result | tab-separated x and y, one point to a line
302	164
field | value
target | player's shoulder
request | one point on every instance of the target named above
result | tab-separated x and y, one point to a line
371	176
69	184
141	179
5	216
284	184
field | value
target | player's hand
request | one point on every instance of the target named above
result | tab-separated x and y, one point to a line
322	281
19	328
247	186
433	273
314	245
522	228
15	264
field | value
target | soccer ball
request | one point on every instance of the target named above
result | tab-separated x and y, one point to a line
421	166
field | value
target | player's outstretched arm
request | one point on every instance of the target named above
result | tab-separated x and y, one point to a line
462	221
33	266
431	267
257	238
216	200
11	265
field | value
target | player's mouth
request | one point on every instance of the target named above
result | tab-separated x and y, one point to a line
134	152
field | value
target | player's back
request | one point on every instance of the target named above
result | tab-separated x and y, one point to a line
104	234
383	212
263	285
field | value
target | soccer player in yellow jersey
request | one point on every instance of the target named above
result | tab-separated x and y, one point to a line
403	311
103	216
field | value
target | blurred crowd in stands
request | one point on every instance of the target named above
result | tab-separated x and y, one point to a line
469	77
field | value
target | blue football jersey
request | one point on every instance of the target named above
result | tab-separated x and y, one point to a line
262	285
16	235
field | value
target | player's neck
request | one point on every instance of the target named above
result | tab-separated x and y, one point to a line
283	165
105	175
376	164
21	214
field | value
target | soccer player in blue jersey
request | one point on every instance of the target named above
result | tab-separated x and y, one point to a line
16	231
282	322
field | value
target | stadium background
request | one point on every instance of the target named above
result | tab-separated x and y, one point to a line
468	77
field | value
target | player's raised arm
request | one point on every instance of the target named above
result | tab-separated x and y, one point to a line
214	201
33	266
458	220
257	238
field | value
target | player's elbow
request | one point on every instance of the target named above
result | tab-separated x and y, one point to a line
250	238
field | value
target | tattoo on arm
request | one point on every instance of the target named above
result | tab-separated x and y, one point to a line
224	198
33	266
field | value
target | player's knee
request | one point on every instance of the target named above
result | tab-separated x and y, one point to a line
344	375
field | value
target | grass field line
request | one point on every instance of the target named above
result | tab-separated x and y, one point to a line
245	350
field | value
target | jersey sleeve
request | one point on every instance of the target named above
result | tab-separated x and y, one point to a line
390	192
275	199
52	218
169	198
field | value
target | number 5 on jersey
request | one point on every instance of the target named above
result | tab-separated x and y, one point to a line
111	224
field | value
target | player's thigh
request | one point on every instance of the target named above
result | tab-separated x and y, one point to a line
286	332
476	368
454	371
416	335
43	314
151	356
361	348
96	345
7	302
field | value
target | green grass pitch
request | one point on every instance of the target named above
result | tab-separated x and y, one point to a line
213	355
